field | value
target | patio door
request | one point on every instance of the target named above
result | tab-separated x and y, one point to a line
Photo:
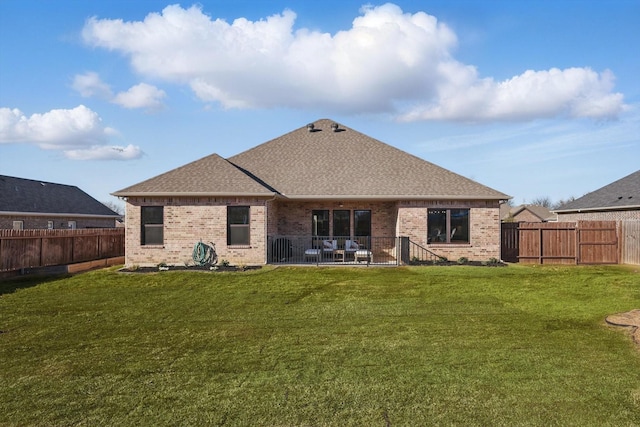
341	224
362	227
320	223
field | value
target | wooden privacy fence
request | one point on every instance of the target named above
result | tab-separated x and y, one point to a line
42	248
582	242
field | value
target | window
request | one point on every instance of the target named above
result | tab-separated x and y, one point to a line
237	225
362	223
341	223
448	226
320	223
152	225
18	225
71	225
50	225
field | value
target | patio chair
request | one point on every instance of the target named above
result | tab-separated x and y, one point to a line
351	246
328	246
312	254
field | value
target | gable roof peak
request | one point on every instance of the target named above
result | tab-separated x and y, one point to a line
329	160
326	125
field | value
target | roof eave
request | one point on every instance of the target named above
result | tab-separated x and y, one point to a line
392	197
188	194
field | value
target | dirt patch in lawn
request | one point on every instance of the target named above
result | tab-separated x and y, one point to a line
630	320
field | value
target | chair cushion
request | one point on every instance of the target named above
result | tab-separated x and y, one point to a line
351	245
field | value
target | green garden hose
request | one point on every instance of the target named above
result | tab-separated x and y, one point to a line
204	254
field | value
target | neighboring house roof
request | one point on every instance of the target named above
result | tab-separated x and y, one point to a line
27	196
538	211
316	164
623	194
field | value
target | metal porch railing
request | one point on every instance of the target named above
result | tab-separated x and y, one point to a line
330	250
418	255
333	250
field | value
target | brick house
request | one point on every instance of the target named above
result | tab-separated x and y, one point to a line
327	192
617	201
32	204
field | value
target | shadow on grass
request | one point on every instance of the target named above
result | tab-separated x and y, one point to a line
8	286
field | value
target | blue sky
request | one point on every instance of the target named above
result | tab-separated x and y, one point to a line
532	98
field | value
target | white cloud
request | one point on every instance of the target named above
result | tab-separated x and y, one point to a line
140	96
100	152
90	84
69	131
388	61
573	92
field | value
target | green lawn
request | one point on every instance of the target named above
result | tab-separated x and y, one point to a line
472	346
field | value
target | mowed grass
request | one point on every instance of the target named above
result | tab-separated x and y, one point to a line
468	346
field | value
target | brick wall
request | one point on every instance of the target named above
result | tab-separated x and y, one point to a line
600	216
59	222
190	220
484	233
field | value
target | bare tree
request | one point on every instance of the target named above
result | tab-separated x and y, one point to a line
561	202
542	201
548	203
119	209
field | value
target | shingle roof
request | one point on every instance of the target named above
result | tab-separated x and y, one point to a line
621	194
211	175
317	164
32	196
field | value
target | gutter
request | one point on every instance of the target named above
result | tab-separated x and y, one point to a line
309	196
392	197
604	208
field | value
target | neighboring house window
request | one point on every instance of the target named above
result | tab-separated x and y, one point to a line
18	225
71	225
341	223
320	223
151	225
50	225
448	225
362	223
238	225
